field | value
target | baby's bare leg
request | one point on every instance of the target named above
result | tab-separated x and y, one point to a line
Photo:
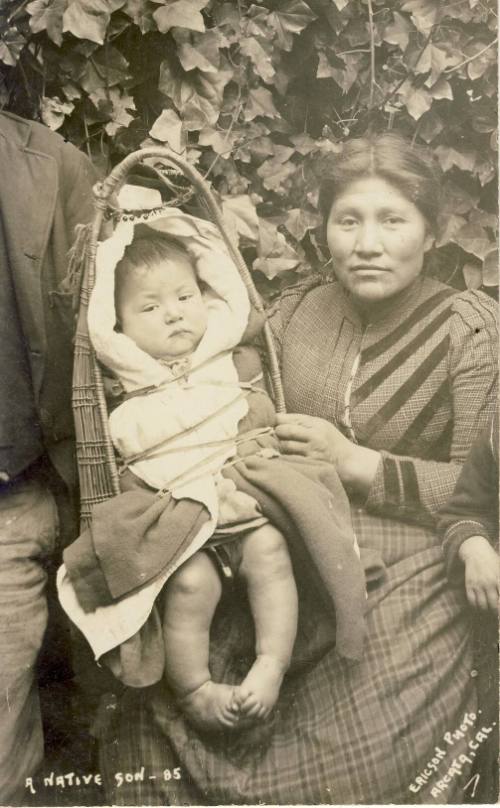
191	597
267	570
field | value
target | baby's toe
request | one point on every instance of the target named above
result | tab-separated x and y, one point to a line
237	699
253	709
241	694
230	712
264	711
228	718
249	705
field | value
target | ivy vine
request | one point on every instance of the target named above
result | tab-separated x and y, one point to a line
256	93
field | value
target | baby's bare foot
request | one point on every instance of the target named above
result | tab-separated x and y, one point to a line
259	691
211	707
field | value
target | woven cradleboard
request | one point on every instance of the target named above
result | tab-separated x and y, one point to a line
97	466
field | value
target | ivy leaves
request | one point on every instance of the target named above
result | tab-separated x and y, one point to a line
85	19
11	45
47	15
258	93
180	14
89	19
291	18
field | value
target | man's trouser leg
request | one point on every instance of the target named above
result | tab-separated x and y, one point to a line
28	524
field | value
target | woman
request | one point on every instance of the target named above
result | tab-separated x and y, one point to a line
393	375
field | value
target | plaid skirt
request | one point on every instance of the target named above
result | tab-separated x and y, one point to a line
365	732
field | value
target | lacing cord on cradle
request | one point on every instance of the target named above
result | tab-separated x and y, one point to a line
189	477
161	448
153	388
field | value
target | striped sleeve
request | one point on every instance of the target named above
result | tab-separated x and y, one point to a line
413	489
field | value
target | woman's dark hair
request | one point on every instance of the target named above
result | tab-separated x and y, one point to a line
410	168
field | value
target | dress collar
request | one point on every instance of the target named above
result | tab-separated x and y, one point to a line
392	311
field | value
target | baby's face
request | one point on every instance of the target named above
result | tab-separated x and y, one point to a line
162	309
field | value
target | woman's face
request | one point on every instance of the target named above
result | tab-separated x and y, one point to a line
377	239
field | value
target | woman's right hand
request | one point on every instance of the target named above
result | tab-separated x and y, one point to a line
309	436
318	439
482	569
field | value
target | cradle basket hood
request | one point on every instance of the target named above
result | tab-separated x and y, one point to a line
213	266
200	238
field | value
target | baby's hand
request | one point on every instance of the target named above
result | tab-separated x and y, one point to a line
482	566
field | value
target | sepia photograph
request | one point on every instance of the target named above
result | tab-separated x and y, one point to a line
249	435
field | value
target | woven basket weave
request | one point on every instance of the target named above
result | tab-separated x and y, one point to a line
94	450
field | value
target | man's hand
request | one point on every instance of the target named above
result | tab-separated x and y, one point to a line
482	569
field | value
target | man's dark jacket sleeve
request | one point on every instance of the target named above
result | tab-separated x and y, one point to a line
472	510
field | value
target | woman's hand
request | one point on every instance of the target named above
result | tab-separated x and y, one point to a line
305	435
318	439
482	568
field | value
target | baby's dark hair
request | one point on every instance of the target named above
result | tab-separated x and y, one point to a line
148	249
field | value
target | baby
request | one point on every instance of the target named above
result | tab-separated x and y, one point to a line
203	487
162	308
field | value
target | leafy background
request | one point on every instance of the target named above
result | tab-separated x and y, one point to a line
255	94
